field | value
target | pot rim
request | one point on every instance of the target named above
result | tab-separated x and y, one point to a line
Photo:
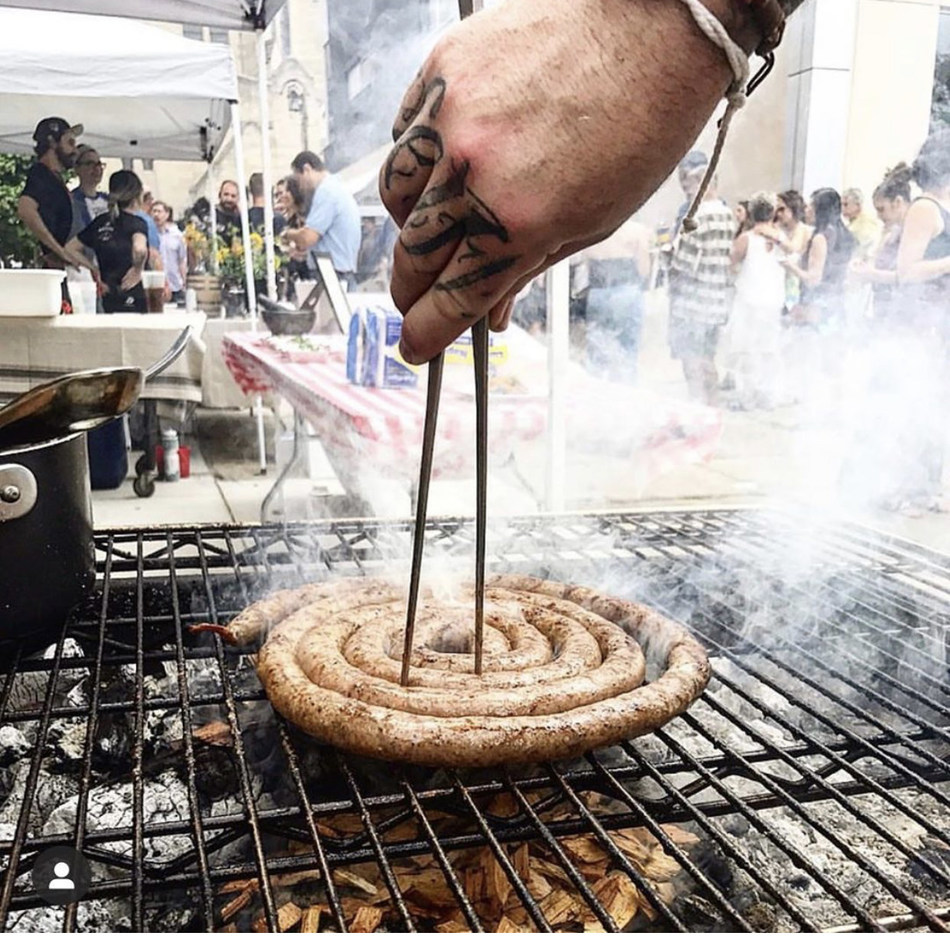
38	446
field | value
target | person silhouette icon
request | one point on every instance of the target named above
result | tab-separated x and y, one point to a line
61	881
61	875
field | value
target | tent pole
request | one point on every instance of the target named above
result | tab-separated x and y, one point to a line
264	104
248	264
212	218
558	282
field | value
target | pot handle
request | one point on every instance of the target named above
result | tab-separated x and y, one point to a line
17	491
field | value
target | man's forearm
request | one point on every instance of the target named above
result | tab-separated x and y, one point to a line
30	215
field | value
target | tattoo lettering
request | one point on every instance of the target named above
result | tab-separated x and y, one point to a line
411	110
421	148
447	212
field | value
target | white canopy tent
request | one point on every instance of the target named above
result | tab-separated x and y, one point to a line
220	14
252	15
139	90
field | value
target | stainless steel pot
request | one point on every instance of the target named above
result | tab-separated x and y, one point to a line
47	561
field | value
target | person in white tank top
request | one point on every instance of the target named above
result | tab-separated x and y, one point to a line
753	334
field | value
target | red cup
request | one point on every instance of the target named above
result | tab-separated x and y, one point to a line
184	460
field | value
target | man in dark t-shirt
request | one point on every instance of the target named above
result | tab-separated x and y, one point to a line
227	213
111	239
255	214
45	206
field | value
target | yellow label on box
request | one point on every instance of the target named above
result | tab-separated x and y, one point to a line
461	352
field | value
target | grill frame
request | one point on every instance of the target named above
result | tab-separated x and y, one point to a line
233	564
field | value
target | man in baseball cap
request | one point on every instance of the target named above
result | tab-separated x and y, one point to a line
51	130
45	206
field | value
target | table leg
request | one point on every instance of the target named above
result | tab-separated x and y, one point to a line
300	435
151	432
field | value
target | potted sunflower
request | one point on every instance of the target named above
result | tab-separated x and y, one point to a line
231	270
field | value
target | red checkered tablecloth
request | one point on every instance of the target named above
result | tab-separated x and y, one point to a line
382	429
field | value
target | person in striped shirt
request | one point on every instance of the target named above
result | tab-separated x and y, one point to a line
701	288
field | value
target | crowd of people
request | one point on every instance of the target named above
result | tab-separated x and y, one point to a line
118	234
313	214
770	298
774	291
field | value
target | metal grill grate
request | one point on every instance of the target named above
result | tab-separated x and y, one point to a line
809	788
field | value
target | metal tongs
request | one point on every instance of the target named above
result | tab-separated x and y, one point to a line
480	348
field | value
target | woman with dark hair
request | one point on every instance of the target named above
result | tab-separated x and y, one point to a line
880	467
824	265
923	260
891	202
743	221
119	240
293	207
923	276
790	219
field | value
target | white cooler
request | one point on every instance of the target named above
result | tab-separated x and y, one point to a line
31	292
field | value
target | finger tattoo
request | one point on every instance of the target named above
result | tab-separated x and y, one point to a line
449	211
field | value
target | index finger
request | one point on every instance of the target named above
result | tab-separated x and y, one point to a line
472	284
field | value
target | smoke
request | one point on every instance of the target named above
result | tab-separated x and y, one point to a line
375	50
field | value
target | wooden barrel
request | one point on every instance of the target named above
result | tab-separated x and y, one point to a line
207	289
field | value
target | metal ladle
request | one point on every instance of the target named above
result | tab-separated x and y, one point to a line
78	402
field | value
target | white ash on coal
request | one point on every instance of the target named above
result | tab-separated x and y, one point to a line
49	794
29	688
92	916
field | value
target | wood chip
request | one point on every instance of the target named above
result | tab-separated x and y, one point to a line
680	836
427	889
538	886
366	920
507	926
216	733
452	926
475	883
296	877
584	848
504	804
230	928
233	887
342	877
310	920
661	867
234	906
288	916
619	897
553	872
521	859
340	826
632	845
496	881
560	908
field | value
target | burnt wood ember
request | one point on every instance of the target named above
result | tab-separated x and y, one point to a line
809	788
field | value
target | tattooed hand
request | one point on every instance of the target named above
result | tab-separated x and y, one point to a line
534	130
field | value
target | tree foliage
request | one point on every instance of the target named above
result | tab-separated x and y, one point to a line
16	242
